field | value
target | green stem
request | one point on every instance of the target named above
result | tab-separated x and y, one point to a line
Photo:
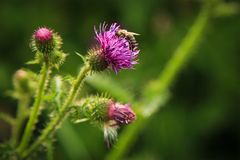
50	155
161	84
182	53
7	118
45	71
55	122
21	116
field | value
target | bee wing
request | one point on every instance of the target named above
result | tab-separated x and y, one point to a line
134	34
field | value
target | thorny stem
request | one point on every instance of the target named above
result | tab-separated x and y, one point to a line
55	122
45	71
22	114
162	83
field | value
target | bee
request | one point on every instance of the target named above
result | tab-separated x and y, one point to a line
129	36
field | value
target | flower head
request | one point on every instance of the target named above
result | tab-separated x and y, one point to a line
43	34
45	40
121	113
46	44
23	82
119	49
105	113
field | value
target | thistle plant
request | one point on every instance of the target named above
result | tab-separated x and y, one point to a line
46	44
116	49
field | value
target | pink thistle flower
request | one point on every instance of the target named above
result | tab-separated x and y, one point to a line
43	34
120	113
119	50
45	40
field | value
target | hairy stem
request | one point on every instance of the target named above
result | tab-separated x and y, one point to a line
45	71
22	114
56	121
161	84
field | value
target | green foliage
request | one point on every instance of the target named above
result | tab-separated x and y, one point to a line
201	90
68	136
8	153
56	58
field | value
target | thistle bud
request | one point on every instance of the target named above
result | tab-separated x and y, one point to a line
92	108
121	113
43	35
45	41
104	110
43	38
105	113
47	45
21	81
20	75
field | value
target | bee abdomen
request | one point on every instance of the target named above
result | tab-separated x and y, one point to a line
133	43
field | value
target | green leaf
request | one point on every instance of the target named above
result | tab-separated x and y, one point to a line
83	58
71	142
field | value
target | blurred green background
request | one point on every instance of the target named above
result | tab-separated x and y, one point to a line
201	120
